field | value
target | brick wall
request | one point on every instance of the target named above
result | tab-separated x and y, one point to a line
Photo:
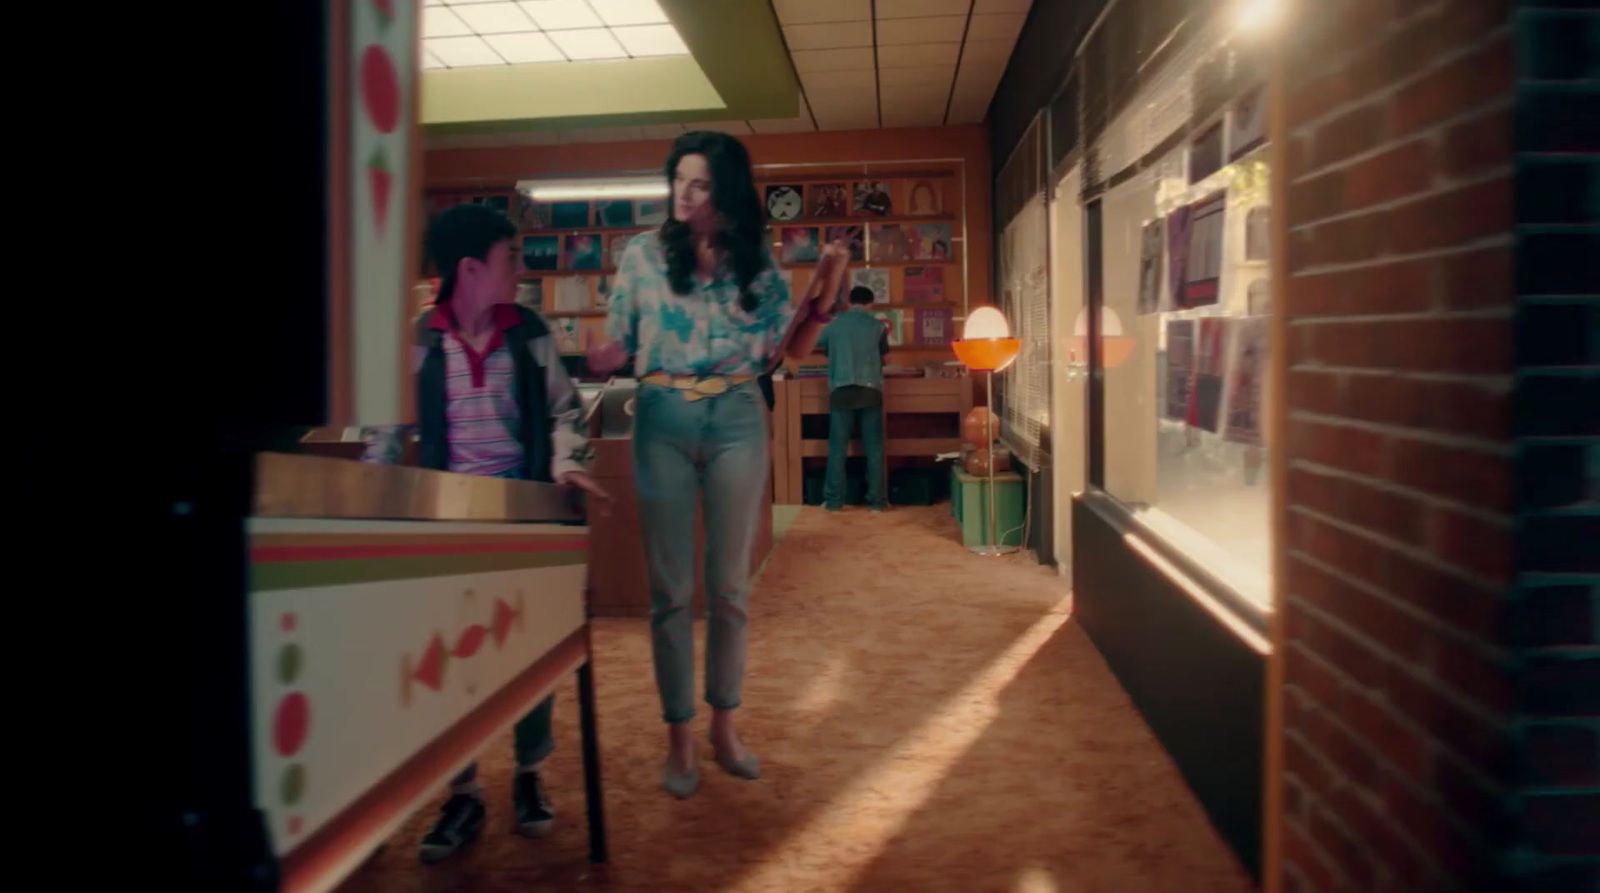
1438	734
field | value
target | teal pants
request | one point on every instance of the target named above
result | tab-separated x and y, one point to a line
711	452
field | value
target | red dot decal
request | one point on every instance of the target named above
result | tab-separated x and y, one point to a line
287	622
291	723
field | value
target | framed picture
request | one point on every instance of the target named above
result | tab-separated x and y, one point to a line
573	295
930	241
800	245
569	215
785	202
871	198
584	252
894	320
541	252
933	326
890	242
924	285
852	238
613	213
650	213
827	200
875	280
925	199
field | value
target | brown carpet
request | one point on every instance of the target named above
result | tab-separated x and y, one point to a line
928	720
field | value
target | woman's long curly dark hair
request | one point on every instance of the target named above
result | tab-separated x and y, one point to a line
741	223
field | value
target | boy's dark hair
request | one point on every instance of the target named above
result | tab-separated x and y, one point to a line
861	295
462	231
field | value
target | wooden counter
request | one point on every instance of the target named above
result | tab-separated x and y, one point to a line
800	397
620	585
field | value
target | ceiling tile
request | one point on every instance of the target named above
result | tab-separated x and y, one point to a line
440	21
987	7
848	120
912	95
521	49
996	27
933	29
834	35
805	12
738	128
821	81
431	61
650	40
553	14
918	55
462	52
985	71
987	50
661	131
864	96
909	9
938	76
856	59
630	12
588	43
601	135
495	18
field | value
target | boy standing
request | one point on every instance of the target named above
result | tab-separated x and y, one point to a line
856	344
492	399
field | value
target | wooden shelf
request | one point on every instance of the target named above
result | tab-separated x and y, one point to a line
894	446
909	219
886	264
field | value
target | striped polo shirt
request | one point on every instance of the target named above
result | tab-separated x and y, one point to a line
480	403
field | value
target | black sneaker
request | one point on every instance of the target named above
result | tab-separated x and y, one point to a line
459	823
535	815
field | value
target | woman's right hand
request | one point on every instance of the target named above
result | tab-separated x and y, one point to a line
606	357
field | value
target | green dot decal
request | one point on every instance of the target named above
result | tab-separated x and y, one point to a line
288	663
294	784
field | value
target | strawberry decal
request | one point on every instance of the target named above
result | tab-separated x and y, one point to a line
381	183
380	89
385	12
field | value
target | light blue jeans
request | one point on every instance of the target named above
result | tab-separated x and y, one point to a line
712	451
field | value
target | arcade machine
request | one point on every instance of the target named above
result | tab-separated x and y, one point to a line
363	630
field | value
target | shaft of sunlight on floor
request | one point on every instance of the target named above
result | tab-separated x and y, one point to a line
928	720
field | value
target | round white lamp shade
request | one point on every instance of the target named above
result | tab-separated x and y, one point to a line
984	323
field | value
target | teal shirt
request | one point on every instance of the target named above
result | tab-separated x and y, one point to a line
855	344
704	332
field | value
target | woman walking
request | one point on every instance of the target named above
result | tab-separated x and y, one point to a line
700	306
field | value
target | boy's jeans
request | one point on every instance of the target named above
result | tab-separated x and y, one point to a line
840	423
532	739
712	451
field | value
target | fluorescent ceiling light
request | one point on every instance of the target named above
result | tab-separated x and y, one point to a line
439	21
596	187
630	12
651	40
554	15
495	18
589	43
525	48
462	52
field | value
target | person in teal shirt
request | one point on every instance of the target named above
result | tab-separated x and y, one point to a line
856	344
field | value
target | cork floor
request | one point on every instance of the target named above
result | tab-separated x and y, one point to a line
928	720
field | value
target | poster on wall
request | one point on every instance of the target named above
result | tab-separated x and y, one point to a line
1247	124
1180	368
1154	235
1203	266
926	199
1247	371
930	241
1205	154
785	202
890	242
933	326
870	198
828	200
1177	255
894	320
876	280
1205	398
924	285
800	245
853	239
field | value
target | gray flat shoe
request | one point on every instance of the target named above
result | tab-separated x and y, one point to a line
680	786
748	768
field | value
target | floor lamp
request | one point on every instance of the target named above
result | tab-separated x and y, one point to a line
986	345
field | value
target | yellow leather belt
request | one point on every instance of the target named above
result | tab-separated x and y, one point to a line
695	387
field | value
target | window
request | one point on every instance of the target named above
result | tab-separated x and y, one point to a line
1185	260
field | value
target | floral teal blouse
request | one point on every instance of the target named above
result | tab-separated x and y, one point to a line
704	332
